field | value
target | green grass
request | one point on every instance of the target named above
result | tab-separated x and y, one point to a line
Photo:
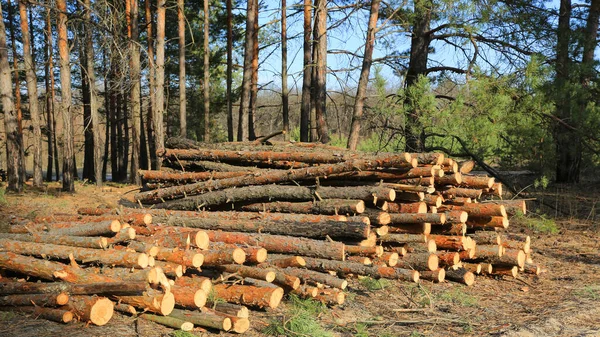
374	284
213	299
181	333
457	296
3	201
592	292
538	223
6	315
300	320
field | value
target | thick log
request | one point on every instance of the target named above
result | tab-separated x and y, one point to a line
331	296
460	275
152	301
278	192
93	309
466	166
75	241
478	210
256	178
449	179
238	324
438	275
153	276
139	219
315	277
458	201
377	217
283	244
419	261
284	261
325	206
450	229
486	268
510	270
349	229
164	216
403	238
414	228
177	237
477	181
170	322
231	309
203	319
51	314
496	190
415	207
71	228
450	242
409	196
217	257
448	259
531	268
196	282
462	192
408	188
487	222
106	289
486	238
43	300
511	257
112	257
516	244
488	251
287	282
390	258
513	207
188	258
96	210
415	218
249	295
189	297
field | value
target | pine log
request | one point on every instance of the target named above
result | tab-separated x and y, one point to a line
124	235
287	282
170	269
191	297
231	309
331	296
177	237
364	251
249	295
283	244
180	217
450	229
409	196
427	158
203	319
306	291
531	268
75	241
170	322
284	261
246	271
447	242
51	314
448	259
106	289
377	217
477	181
152	301
360	259
71	228
468	254
96	211
390	258
254	254
257	178
513	207
438	275
185	177
139	219
43	300
474	268
420	181
462	192
458	201
449	179
486	238
515	244
238	324
188	258
415	207
415	218
433	200
350	229
460	275
93	309
456	216
114	257
217	257
466	166
512	257
500	269
345	268
325	206
403	238
415	228
194	282
142	247
153	276
419	261
409	188
488	222
488	251
479	209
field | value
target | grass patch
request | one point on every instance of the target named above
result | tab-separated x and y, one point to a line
591	292
300	320
374	284
213	299
181	333
3	201
6	315
457	296
539	223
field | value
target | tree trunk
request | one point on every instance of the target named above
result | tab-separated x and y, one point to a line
65	82
321	71
243	123
363	80
14	140
88	156
34	109
307	75
160	78
284	87
48	69
152	88
182	99
254	81
229	98
419	52
206	85
136	106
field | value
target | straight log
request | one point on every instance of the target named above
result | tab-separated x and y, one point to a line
231	309
51	314
75	241
419	261
331	296
106	289
203	319
325	206
477	181
139	219
196	282
438	275
415	207
188	258
346	268
170	322
249	295
152	301
189	297
415	218
71	228
93	309
42	300
488	222
460	275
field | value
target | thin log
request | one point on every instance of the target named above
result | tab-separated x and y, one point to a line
419	261
486	238
253	272
171	322
231	309
403	238
438	275
51	314
375	251
358	269
75	241
217	257
153	276
185	177
171	269
460	275
449	179
450	229
499	269
197	282
414	228
450	242
143	247
433	200
326	206
306	291
488	222
462	192
188	258
124	235
448	259
106	289
415	207
238	324
283	261
513	207
331	296
415	218
177	237
474	268
43	300
203	319
315	277
139	219
71	228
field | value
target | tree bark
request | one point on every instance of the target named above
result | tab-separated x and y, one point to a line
67	114
284	86
229	98
363	80
153	301
34	109
244	112
49	83
307	75
254	79
206	71
182	97
207	320
320	86
159	135
152	87
14	140
51	314
249	295
42	300
136	107
75	241
328	206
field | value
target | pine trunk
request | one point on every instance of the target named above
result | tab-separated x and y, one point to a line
159	134
243	123
182	98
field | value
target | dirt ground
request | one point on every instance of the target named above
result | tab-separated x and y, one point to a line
563	301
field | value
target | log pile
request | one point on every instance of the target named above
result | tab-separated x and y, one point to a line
223	228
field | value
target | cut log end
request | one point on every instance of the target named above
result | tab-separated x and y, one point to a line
261	255
227	325
415	276
167	304
101	311
62	299
270	276
197	260
240	325
200	298
275	298
147	219
115	226
143	260
360	207
433	262
431	246
239	256
201	240
67	316
131	233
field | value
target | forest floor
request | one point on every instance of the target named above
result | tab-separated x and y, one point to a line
562	301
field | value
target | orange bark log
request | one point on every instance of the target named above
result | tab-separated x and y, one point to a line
249	295
93	309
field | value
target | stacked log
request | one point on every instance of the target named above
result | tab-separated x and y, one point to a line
262	221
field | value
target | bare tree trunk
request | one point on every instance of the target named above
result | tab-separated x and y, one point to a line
34	109
254	82
419	52
52	96
17	92
114	147
307	76
118	93
321	71
182	99
284	87
107	109
160	78
242	133
314	137
88	156
206	74
229	71
363	80
65	83
49	95
126	138
14	142
152	87
136	107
